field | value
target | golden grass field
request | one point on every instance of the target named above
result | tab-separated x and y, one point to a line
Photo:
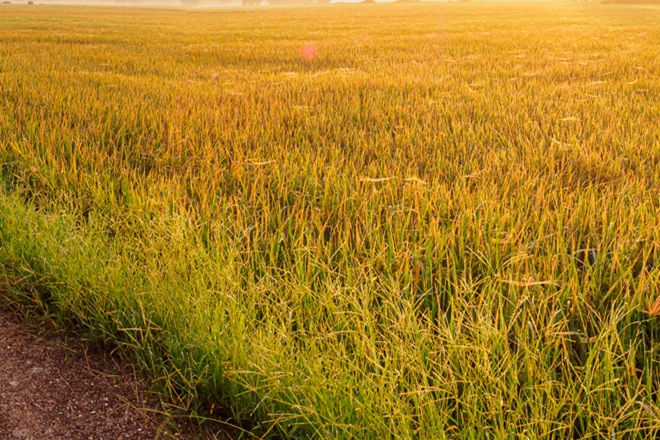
418	221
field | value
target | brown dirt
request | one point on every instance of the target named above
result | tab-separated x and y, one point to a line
51	389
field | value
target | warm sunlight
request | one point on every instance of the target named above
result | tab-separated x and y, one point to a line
413	220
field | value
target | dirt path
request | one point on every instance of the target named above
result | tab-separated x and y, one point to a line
49	391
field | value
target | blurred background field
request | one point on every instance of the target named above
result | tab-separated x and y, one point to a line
367	221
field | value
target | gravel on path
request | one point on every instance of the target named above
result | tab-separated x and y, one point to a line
52	390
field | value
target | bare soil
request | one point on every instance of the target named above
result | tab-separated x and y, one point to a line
51	389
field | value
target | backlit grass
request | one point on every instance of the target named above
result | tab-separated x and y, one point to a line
444	225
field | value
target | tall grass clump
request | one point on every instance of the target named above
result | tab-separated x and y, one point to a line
443	224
